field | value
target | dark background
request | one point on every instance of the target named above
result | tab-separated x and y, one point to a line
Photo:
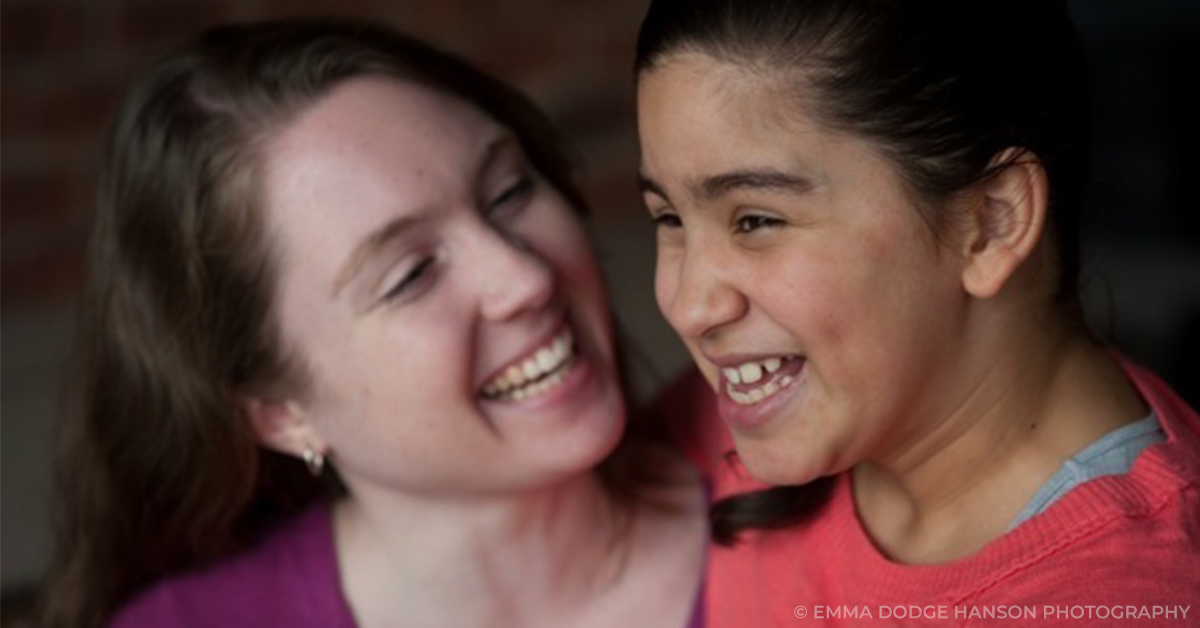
65	62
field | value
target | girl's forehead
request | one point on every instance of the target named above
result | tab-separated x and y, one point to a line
749	91
695	100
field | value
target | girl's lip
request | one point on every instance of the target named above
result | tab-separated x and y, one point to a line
746	418
788	366
734	360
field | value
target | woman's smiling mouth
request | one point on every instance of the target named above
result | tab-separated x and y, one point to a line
545	368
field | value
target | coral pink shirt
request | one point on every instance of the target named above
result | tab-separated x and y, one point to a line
1116	550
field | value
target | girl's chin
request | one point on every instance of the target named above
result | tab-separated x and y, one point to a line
789	467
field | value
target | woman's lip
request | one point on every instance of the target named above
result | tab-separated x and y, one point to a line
530	351
582	373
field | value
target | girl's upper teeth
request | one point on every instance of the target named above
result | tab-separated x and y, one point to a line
751	372
765	375
544	360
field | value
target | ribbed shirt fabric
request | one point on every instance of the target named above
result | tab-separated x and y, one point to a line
1126	545
1111	454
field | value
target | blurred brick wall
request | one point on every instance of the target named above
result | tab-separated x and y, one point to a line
66	62
65	65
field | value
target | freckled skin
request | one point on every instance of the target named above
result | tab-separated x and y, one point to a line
395	394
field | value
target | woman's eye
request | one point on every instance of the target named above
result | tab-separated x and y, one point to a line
411	280
754	222
509	200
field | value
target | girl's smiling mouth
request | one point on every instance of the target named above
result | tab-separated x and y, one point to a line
753	381
753	390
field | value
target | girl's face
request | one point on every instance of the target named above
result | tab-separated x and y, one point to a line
442	296
794	264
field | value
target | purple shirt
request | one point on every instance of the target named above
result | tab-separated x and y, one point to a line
289	580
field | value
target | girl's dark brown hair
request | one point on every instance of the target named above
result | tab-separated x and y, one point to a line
942	87
158	471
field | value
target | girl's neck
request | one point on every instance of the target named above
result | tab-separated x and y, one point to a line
1029	406
517	559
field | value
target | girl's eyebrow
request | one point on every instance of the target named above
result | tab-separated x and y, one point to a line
718	185
646	184
766	179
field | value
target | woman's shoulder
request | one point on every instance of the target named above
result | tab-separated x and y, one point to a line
289	578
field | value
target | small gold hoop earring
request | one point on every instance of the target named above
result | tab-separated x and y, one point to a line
314	461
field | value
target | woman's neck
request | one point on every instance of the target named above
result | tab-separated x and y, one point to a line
521	559
565	555
1027	403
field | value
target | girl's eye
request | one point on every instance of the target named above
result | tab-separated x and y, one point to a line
508	202
411	280
754	222
667	220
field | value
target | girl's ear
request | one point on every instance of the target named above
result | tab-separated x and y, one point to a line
1005	218
282	425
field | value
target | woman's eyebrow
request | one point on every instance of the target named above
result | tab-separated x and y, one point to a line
495	150
369	246
492	152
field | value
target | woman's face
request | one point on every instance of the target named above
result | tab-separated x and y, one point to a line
442	296
793	263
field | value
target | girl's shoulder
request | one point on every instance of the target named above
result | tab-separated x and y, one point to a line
289	578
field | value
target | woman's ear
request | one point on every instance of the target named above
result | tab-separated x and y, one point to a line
1006	216
281	425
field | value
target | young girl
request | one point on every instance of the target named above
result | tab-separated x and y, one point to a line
325	248
867	238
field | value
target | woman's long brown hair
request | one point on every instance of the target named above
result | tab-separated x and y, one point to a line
157	470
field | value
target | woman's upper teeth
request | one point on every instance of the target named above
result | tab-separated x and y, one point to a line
750	372
544	360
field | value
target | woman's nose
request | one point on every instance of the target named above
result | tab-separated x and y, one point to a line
696	295
514	278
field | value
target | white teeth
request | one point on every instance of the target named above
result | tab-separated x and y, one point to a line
546	360
530	369
732	375
751	372
546	368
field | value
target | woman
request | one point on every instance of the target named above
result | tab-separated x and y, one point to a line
866	221
327	241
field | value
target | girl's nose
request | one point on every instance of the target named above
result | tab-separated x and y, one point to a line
696	296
